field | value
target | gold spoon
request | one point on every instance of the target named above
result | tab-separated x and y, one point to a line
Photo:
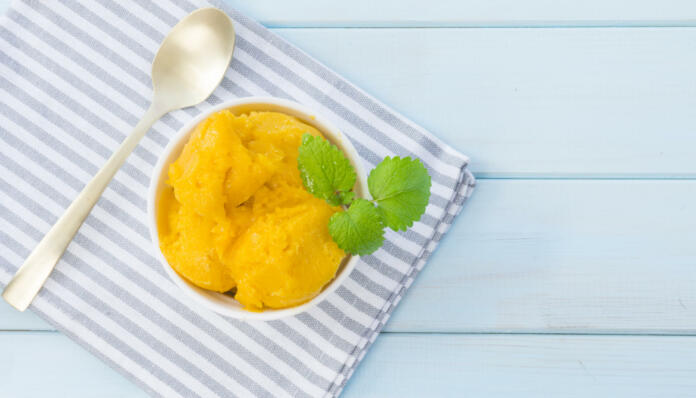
189	65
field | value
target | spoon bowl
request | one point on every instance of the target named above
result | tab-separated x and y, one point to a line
188	66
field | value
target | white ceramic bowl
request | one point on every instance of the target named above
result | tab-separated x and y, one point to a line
222	303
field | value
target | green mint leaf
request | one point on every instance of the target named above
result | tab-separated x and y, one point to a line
346	198
401	189
359	229
325	171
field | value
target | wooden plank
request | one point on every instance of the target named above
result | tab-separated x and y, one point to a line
557	256
464	13
554	256
533	102
405	365
469	12
527	366
11	319
47	364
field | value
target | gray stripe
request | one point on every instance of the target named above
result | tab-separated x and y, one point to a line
344	320
355	301
128	17
159	12
398	252
339	83
111	56
94	327
371	286
383	268
311	348
110	30
58	171
325	332
259	80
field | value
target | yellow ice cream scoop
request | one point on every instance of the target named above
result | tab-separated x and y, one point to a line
235	213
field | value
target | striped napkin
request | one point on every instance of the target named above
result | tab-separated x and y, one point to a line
74	79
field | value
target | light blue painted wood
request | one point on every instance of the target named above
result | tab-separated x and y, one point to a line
48	364
526	366
11	319
4	5
533	102
560	256
361	13
404	365
468	12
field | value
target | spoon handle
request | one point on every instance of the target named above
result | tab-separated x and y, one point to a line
31	276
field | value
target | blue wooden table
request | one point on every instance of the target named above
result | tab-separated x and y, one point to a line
572	271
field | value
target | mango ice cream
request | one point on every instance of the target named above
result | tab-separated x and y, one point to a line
235	213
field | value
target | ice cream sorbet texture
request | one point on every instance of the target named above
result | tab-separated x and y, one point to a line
236	216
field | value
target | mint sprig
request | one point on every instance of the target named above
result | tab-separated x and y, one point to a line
400	188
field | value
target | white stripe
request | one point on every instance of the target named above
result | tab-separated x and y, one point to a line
333	326
327	348
349	310
378	278
361	292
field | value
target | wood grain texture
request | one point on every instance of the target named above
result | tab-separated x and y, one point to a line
597	103
554	256
11	319
48	364
469	12
405	365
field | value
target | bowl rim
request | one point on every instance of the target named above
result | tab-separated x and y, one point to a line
294	109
